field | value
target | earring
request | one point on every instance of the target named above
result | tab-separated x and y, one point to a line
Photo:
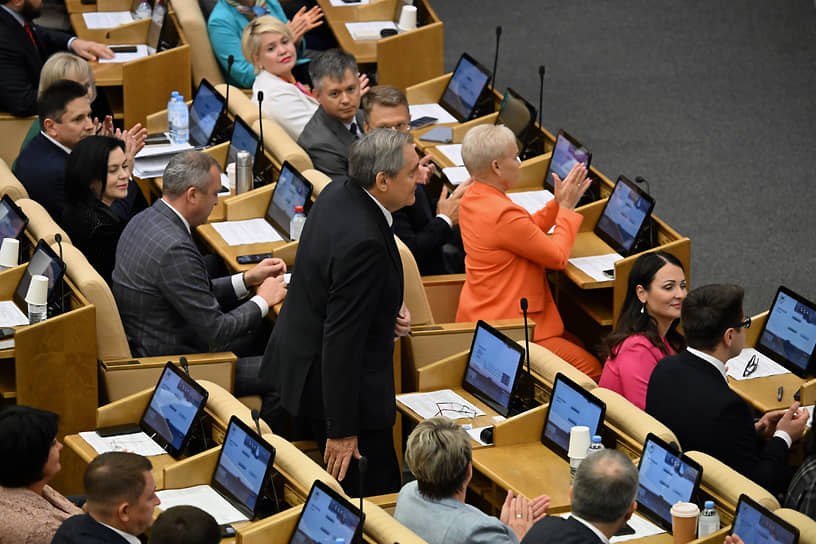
643	308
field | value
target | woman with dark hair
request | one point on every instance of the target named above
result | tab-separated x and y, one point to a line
647	327
96	174
31	511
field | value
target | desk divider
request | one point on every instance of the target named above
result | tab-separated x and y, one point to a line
276	529
521	429
195	470
444	374
125	410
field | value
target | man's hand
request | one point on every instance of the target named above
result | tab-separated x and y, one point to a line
272	290
365	84
450	206
403	325
516	514
91	50
304	21
425	170
569	191
338	454
268	268
539	507
732	539
793	421
766	425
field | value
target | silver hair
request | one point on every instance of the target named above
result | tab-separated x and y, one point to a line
605	486
185	170
381	150
485	143
333	64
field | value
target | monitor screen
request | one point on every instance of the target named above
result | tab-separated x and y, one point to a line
204	113
464	88
44	262
12	219
666	477
326	517
493	367
516	114
173	408
570	405
243	139
623	217
755	524
789	335
291	190
243	465
566	153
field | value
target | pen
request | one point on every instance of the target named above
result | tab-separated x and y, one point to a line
779	393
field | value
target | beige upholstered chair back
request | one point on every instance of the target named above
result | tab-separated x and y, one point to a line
630	420
40	223
805	524
319	180
281	146
382	527
547	364
110	334
298	467
223	405
9	184
239	103
414	295
14	130
194	26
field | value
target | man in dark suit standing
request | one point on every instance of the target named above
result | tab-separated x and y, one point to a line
331	353
24	47
603	499
337	123
689	393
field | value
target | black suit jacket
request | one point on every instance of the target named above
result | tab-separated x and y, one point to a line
558	530
41	169
328	143
690	396
83	529
20	63
424	233
331	352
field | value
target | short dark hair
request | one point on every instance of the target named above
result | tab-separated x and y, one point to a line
87	163
438	452
709	311
187	169
185	525
114	477
26	437
606	484
333	63
382	95
54	100
381	150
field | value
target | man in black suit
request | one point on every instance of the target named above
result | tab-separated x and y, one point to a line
121	497
337	123
603	499
331	352
432	237
24	47
689	393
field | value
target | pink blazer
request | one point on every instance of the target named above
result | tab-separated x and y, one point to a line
629	371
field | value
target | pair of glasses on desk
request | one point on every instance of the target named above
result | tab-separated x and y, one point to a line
750	368
454	410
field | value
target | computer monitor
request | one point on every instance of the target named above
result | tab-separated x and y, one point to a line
44	262
789	334
327	517
466	85
12	219
208	107
570	405
243	467
566	153
519	116
625	215
292	189
493	367
176	403
755	524
243	139
666	477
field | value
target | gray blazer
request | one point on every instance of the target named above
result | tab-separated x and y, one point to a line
448	521
167	301
328	143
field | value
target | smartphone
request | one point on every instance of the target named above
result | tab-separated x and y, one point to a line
6	333
252	259
423	121
116	430
123	48
157	139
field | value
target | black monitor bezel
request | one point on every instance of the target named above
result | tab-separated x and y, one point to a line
448	107
324	487
608	238
13	207
548	183
785	524
284	229
525	135
221	114
20	291
553	445
779	358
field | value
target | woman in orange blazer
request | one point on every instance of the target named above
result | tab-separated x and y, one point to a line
509	251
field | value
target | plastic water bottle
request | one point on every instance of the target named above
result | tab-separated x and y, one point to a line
296	223
595	446
171	130
709	520
158	12
181	123
37	313
143	10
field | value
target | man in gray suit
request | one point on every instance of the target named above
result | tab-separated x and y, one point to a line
337	123
168	303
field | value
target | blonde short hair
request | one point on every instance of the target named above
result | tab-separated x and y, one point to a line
251	38
438	453
485	143
65	66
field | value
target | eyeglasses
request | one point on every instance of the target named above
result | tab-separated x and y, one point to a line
454	410
746	324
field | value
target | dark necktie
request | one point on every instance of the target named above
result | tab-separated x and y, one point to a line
30	33
353	129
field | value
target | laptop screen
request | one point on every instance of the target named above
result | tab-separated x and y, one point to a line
243	465
493	367
243	139
175	405
44	262
755	524
465	87
12	219
207	107
570	405
624	216
566	153
326	517
291	190
666	477
789	334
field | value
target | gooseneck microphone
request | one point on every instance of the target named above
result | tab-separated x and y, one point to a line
530	389
362	466
495	62
256	417
61	306
541	71
640	180
260	122
185	366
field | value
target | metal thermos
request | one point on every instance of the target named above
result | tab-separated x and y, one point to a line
243	172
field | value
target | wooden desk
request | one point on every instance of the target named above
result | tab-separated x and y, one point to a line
214	242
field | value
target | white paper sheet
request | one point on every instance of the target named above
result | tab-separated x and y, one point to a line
142	51
138	443
95	20
11	315
532	201
249	231
431	110
162	149
204	497
369	30
453	152
426	404
643	528
456	174
766	367
150	167
594	266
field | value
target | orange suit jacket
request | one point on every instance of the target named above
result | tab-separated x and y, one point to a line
508	254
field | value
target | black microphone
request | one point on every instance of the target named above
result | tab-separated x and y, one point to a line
58	239
640	180
487	435
256	417
362	466
541	71
495	62
230	60
530	393
185	366
260	124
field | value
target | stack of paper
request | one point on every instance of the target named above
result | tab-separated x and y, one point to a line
596	266
456	174
428	404
204	497
532	201
765	367
138	443
453	152
249	231
418	111
95	20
